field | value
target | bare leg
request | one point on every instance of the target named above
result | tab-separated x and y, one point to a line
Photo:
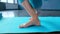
34	20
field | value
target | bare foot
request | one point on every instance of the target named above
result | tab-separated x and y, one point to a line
35	22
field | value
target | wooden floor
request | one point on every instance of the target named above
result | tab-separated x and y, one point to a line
23	13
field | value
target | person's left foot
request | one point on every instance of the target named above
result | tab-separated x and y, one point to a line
31	22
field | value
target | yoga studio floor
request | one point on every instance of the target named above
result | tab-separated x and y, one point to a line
11	25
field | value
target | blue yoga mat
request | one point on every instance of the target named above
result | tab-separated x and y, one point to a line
11	25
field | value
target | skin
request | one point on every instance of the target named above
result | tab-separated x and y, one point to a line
34	16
